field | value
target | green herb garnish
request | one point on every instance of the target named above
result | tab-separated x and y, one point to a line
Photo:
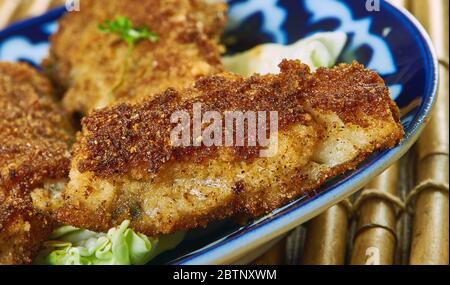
123	27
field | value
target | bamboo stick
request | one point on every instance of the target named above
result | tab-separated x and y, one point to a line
375	238
404	226
401	3
57	3
7	10
31	8
430	240
274	256
326	237
38	7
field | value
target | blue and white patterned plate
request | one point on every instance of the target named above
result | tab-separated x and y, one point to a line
388	40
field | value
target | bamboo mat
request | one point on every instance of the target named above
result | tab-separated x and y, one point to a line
371	227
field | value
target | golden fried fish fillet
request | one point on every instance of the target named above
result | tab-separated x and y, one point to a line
34	152
126	166
99	69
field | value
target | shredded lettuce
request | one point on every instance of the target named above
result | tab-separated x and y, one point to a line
119	246
318	50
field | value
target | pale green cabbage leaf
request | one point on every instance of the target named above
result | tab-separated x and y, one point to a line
119	246
319	50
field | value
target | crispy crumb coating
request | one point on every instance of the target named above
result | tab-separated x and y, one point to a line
34	139
99	69
125	167
22	231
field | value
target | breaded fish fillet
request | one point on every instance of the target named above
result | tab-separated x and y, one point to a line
99	69
125	165
34	152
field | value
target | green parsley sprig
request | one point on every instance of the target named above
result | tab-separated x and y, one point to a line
123	27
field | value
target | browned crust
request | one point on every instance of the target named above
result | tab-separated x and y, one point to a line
34	133
120	139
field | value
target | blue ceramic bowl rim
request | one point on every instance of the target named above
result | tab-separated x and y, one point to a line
20	25
265	231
